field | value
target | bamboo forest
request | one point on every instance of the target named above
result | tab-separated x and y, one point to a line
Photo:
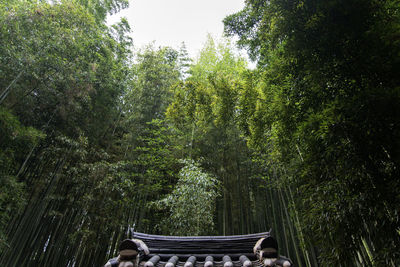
98	135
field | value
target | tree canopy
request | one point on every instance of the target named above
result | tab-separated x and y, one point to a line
329	94
97	136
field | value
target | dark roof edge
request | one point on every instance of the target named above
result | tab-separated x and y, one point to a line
199	238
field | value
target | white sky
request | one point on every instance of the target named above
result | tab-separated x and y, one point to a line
171	22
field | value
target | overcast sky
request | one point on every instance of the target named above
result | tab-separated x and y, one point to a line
171	22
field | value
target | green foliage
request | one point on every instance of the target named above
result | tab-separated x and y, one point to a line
211	111
306	144
62	72
60	68
210	93
155	72
328	93
146	144
101	8
14	140
217	59
191	204
150	161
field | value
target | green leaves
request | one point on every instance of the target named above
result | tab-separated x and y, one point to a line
15	140
101	8
191	205
210	93
322	64
60	62
63	72
96	133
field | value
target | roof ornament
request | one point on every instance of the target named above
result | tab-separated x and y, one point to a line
266	251
131	252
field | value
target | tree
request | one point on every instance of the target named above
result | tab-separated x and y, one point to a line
191	204
329	92
62	78
211	111
14	140
58	72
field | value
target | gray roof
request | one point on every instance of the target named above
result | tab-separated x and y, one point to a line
195	251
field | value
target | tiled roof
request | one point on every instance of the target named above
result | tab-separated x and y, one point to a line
237	250
208	251
201	246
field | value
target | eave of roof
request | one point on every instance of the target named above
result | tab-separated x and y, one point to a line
200	247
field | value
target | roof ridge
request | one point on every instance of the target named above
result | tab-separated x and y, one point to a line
199	238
